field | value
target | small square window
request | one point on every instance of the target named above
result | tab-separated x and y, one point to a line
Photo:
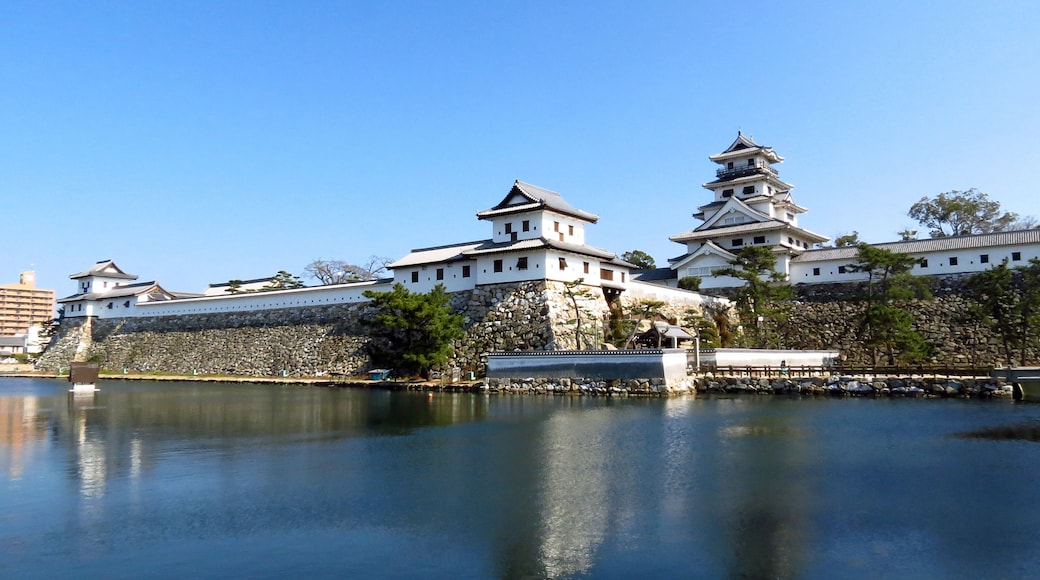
509	228
585	267
727	193
953	261
561	236
750	162
526	226
498	265
841	269
440	273
924	262
760	239
570	230
415	277
815	271
790	241
556	226
563	263
521	263
465	271
1016	256
984	259
748	190
738	242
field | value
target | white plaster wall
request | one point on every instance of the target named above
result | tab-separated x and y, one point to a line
727	357
485	271
453	280
968	261
548	228
648	291
498	225
315	296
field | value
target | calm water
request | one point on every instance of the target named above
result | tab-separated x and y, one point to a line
201	480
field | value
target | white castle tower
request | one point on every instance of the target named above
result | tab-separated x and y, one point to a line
751	206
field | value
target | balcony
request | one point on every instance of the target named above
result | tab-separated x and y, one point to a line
742	170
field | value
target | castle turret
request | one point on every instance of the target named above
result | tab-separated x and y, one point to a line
751	206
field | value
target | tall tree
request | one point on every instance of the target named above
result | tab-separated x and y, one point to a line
998	304
758	300
640	259
339	272
885	325
960	213
412	332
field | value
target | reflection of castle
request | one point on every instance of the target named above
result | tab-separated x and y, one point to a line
751	206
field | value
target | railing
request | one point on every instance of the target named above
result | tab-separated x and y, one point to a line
810	371
745	170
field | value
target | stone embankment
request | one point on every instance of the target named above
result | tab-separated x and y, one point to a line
859	386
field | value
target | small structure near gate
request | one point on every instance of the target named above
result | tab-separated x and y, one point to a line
663	369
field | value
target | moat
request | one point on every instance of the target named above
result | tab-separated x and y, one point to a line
164	479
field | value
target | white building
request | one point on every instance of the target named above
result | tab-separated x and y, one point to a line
106	291
937	256
751	207
536	235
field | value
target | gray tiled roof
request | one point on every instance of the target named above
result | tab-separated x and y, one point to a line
98	269
117	292
473	249
434	254
996	239
539	198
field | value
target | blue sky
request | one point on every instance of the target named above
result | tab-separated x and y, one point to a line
196	142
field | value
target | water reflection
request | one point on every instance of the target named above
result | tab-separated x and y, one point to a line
1029	431
248	481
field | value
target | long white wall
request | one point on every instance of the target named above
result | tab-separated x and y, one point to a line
968	261
314	296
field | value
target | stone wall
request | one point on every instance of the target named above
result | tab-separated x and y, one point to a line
295	342
824	317
320	340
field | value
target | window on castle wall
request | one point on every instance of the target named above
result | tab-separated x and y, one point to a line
465	271
415	277
561	236
570	230
585	267
729	165
727	193
498	266
440	273
760	239
556	226
126	304
521	263
750	162
924	263
563	263
738	242
984	259
815	271
605	274
953	261
1016	256
526	225
841	269
509	228
749	189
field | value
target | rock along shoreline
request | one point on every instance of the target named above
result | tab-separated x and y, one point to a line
816	386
